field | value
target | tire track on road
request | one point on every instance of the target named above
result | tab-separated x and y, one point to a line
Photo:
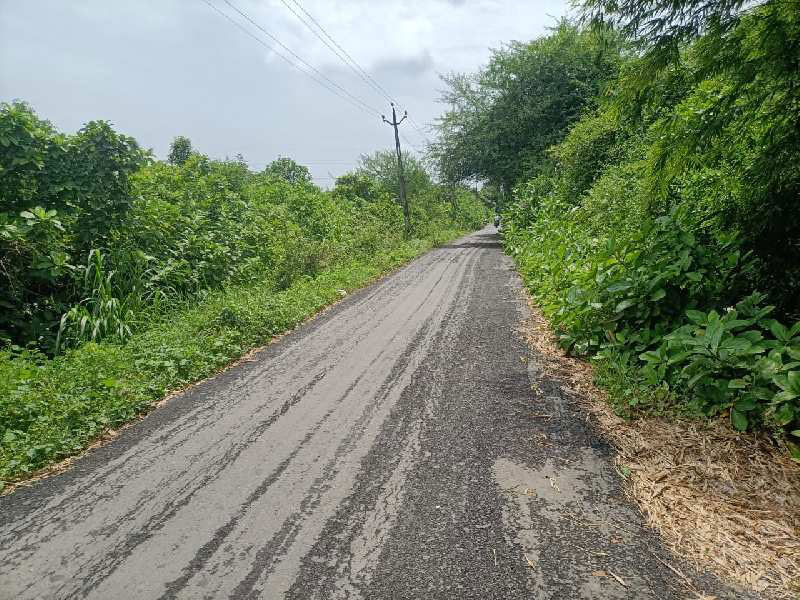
127	479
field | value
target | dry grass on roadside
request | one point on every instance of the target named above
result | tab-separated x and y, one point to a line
729	503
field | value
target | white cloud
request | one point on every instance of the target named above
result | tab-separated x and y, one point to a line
159	69
456	34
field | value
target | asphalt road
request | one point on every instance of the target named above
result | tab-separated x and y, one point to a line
392	448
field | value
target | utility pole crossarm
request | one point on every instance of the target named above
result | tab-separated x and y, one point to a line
394	116
403	199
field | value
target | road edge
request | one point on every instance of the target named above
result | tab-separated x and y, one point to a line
110	435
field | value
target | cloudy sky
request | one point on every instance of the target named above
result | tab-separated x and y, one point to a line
161	68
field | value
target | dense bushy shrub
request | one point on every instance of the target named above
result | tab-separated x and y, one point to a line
60	197
668	222
97	238
122	277
642	297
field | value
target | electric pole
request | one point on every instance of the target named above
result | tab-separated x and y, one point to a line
394	123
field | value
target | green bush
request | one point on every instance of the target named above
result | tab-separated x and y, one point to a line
667	218
740	361
122	277
60	197
97	239
639	297
647	259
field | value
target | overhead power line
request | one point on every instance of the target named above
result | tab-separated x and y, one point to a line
299	58
345	57
348	60
407	141
419	129
324	81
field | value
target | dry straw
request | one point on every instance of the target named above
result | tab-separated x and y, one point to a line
727	502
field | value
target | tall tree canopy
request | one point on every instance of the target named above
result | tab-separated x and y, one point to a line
720	80
180	150
359	187
502	119
287	169
382	166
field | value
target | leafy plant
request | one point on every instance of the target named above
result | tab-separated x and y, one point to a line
122	277
500	121
671	197
100	314
179	151
731	364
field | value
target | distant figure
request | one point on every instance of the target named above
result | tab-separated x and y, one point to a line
497	221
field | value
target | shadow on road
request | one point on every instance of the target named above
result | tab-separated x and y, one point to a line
481	240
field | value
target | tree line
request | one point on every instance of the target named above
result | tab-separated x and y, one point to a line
646	160
97	237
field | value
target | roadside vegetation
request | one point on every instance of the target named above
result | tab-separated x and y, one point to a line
647	164
123	277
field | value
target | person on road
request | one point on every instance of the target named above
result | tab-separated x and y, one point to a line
497	221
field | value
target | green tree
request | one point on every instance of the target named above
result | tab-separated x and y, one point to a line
100	164
502	120
287	169
180	151
719	82
60	197
663	27
358	188
382	166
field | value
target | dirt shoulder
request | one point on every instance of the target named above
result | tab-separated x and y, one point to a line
723	501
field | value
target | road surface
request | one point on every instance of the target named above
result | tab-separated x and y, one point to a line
388	449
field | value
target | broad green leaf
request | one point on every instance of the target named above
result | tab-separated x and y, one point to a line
736	323
714	333
624	304
620	286
696	316
778	330
739	420
784	396
651	356
736	344
751	335
793	379
680	357
694	276
763	393
696	378
785	414
658	294
745	405
782	381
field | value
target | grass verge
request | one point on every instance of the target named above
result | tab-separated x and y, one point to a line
726	501
52	409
